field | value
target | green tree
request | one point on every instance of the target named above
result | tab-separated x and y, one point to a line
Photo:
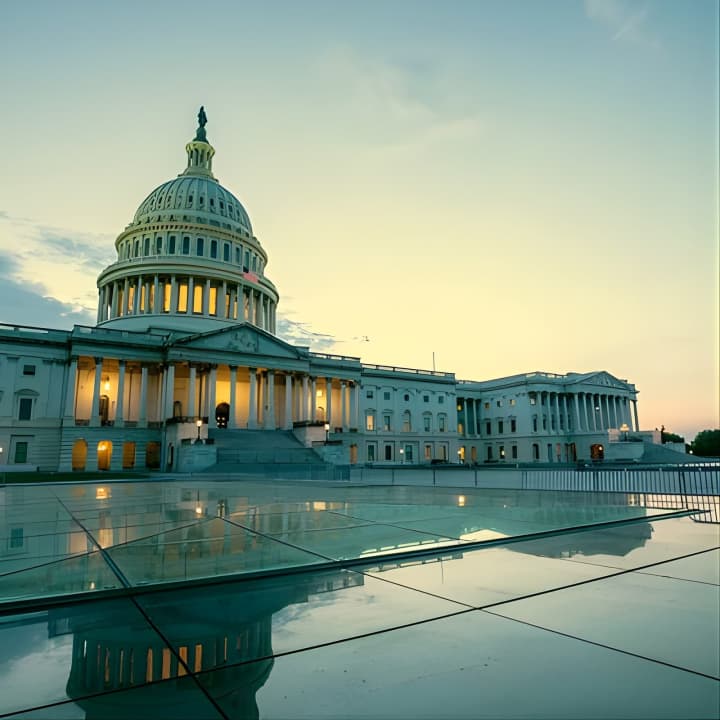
706	443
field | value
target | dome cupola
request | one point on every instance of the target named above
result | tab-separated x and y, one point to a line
188	259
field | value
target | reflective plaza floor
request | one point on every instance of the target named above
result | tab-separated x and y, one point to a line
245	599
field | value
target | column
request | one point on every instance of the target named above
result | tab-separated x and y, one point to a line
305	398
270	403
95	411
212	381
288	402
142	415
136	300
156	295
206	299
328	402
126	287
557	413
232	420
173	294
169	392
251	306
351	402
313	399
191	295
114	301
252	402
71	389
635	416
119	403
224	309
343	420
578	426
617	411
356	419
585	412
191	392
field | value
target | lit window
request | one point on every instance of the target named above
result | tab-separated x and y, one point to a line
533	399
502	452
428	452
197	299
182	297
511	401
486	405
212	301
370	421
167	292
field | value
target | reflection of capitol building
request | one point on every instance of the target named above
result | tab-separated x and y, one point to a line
186	331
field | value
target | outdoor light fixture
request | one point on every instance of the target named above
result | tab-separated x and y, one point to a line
402	455
327	431
461	501
624	430
107	382
198	422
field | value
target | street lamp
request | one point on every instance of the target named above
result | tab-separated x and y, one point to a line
402	456
624	430
460	458
327	432
199	423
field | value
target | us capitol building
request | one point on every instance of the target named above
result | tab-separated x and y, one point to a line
185	348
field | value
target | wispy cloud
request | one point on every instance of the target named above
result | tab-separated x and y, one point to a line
67	260
300	333
627	21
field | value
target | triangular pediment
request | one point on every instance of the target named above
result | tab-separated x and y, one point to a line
243	339
601	379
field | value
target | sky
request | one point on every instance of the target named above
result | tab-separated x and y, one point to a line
507	186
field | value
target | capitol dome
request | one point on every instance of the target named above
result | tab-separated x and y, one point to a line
188	259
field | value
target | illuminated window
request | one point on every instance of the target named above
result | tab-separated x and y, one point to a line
167	292
130	299
502	452
182	297
511	401
428	452
197	299
533	399
212	303
370	420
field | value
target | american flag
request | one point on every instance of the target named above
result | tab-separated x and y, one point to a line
251	276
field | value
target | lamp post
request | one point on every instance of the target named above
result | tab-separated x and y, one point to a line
199	423
402	456
624	430
327	432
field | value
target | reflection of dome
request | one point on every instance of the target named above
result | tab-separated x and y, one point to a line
189	259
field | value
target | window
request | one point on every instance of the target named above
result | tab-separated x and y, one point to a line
501	427
387	422
498	403
513	452
198	299
535	424
406	397
388	452
28	369
146	246
213	248
25	409
386	395
226	252
488	428
182	297
246	266
427	423
371	452
238	255
21	452
158	245
171	245
406	424
200	247
426	398
369	394
186	245
442	423
428	452
544	422
513	426
502	452
137	248
441	399
533	399
511	401
486	405
535	451
370	420
17	537
489	452
254	263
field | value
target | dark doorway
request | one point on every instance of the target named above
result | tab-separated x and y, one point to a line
597	452
104	409
222	414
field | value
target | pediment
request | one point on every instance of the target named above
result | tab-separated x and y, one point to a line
242	339
602	379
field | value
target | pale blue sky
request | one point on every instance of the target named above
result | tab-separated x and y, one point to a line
516	186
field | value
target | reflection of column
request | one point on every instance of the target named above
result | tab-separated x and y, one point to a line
328	401
313	399
119	418
168	411
288	402
191	392
578	426
142	416
252	401
95	411
212	382
343	409
270	404
232	419
557	413
71	388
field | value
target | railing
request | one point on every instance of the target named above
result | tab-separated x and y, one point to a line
413	371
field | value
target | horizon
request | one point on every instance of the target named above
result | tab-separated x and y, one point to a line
488	188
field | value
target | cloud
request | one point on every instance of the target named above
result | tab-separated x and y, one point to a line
54	262
626	21
298	333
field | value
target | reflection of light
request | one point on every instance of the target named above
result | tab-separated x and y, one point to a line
101	493
92	585
461	501
198	509
107	383
482	535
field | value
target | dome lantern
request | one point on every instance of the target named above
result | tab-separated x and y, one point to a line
199	151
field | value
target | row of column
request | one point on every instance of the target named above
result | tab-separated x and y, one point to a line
584	412
153	294
300	397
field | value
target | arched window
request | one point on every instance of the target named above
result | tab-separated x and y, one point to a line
79	455
427	422
535	451
104	454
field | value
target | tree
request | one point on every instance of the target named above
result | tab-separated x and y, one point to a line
668	437
706	444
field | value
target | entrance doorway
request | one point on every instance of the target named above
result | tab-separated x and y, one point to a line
104	454
104	409
222	414
597	452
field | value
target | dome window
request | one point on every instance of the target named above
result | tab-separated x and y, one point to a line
190	199
212	202
202	200
171	245
226	252
186	245
213	248
222	205
200	247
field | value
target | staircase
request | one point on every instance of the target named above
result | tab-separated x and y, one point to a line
263	451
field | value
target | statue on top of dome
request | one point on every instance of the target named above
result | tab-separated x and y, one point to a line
202	121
